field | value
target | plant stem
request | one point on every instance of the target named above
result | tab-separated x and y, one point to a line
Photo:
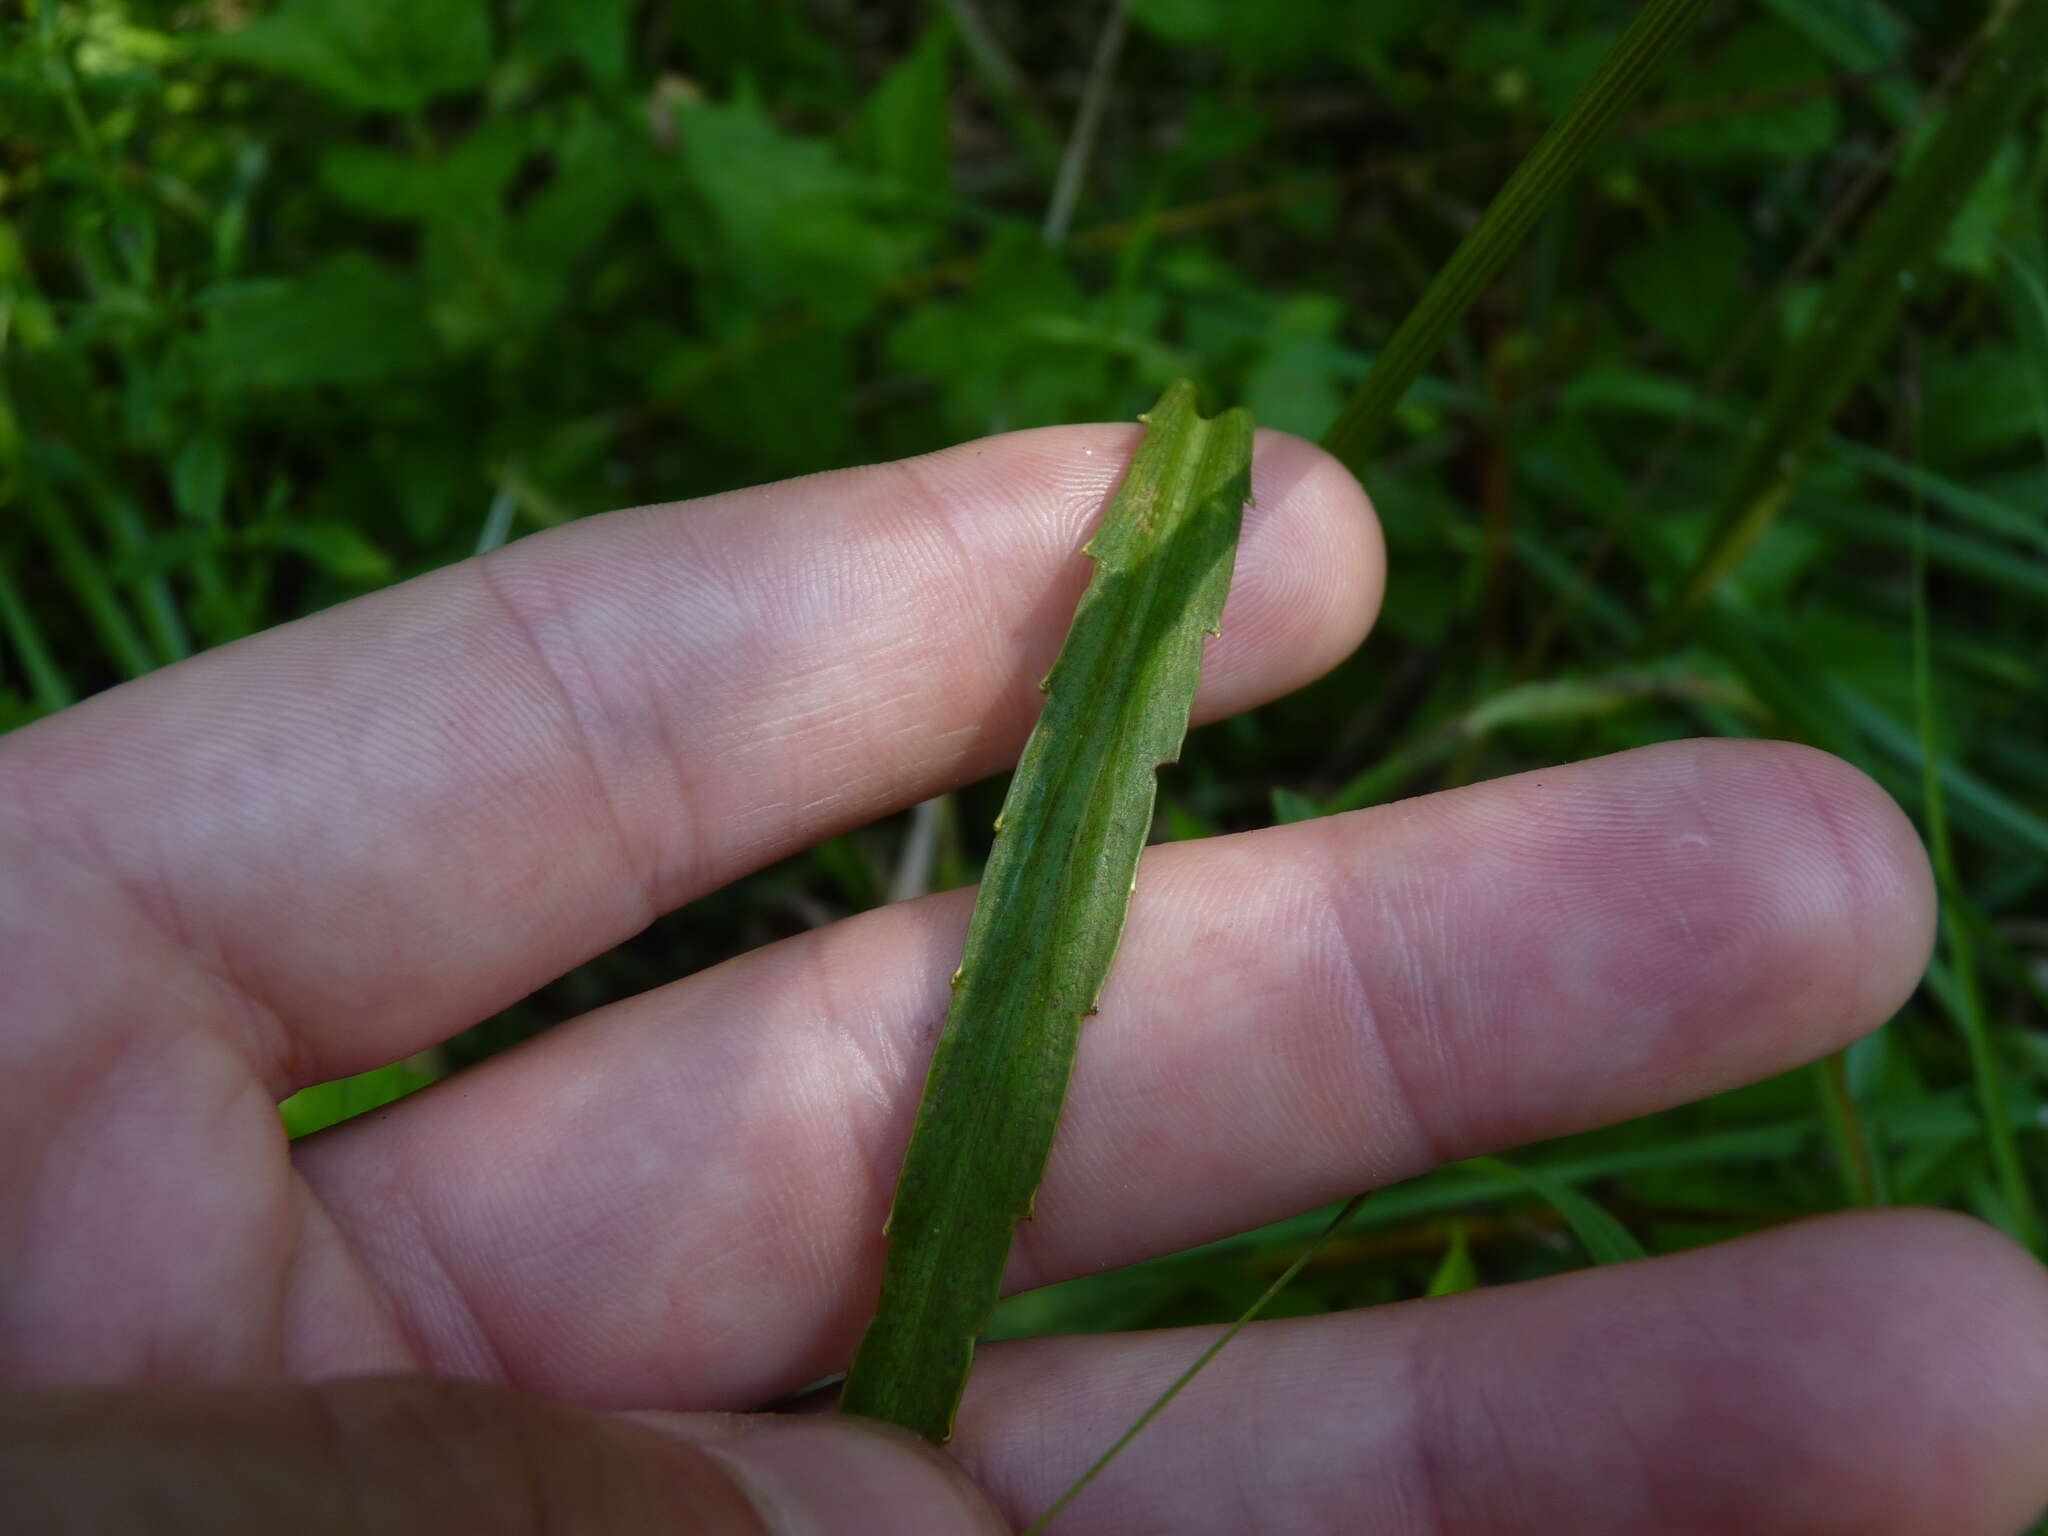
1658	29
1967	1003
1201	1361
1861	307
51	690
1066	192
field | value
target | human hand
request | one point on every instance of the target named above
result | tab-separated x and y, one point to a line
331	846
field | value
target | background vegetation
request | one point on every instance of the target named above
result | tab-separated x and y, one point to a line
300	300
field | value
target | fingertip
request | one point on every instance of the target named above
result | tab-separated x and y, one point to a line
1924	1357
1879	866
1311	572
1818	871
1781	892
1310	568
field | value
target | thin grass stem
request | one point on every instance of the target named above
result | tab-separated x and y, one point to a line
103	608
1862	1183
52	690
1657	30
1005	82
1066	192
1967	1006
1180	1382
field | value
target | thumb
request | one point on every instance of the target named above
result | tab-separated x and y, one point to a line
422	1457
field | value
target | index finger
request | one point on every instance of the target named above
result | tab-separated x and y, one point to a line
384	822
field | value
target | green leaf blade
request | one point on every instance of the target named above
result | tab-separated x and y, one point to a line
1051	910
1605	1239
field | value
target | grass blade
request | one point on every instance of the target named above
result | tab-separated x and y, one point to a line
1052	905
1658	28
1605	1239
1456	1272
81	570
1201	1361
52	692
1848	1137
1968	1010
1860	308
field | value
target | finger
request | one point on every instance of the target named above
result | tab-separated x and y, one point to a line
1881	1375
386	821
417	1457
1296	1014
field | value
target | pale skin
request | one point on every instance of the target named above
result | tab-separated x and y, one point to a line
335	844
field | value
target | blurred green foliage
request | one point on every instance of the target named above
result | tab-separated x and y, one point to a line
294	298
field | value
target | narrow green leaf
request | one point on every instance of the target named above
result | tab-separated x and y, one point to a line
1605	1240
52	691
1861	307
1549	702
1855	1151
1456	1272
1290	806
1658	28
81	569
1200	1363
2022	1219
1052	906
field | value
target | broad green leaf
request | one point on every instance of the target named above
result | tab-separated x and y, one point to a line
466	177
729	44
1979	406
1859	35
796	223
594	32
1605	1240
1277	34
1981	224
905	129
1687	283
1052	905
1763	57
199	479
747	389
999	367
1521	63
2025	273
598	167
376	55
1635	58
351	320
1298	385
